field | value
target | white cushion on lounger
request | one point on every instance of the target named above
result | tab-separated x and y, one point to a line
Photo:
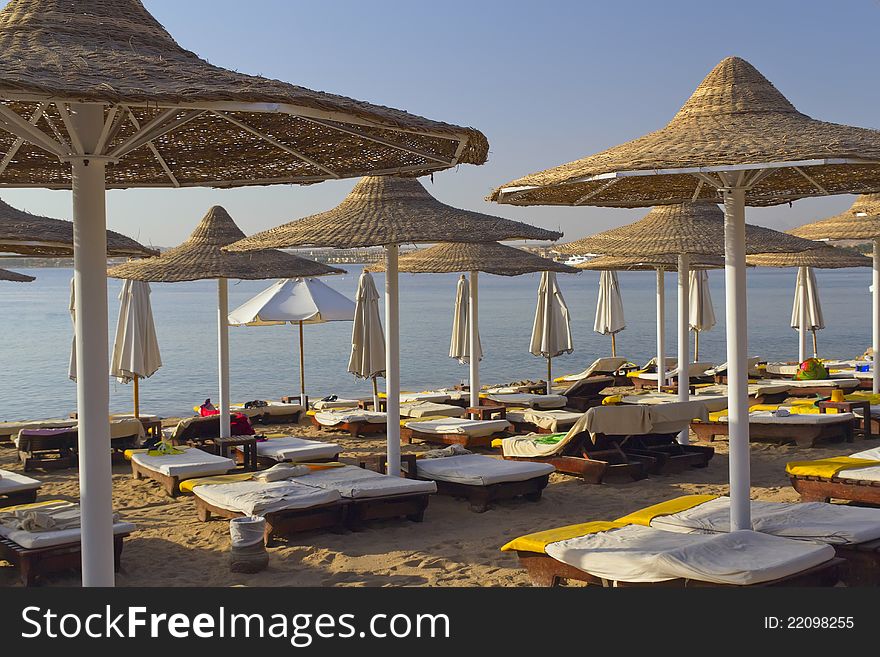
358	483
607	365
272	409
533	401
553	420
479	470
525	446
32	540
463	426
873	453
713	402
290	448
338	403
257	498
811	521
823	383
642	554
192	462
13	482
429	396
767	417
867	473
12	429
425	409
332	418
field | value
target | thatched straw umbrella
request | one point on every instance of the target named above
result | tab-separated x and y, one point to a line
684	229
201	257
807	300
472	258
660	264
389	211
97	94
860	222
737	139
15	277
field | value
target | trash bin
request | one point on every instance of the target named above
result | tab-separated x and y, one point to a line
248	553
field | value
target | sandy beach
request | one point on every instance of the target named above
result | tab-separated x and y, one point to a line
452	547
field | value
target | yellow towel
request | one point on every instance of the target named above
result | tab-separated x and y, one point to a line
635	373
668	508
497	443
612	400
538	541
869	397
188	485
826	467
406	420
311	412
33	505
794	409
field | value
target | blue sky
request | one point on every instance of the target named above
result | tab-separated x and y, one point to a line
546	82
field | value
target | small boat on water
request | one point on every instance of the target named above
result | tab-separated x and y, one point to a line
576	260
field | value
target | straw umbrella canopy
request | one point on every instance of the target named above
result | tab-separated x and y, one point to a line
702	314
658	263
97	94
551	331
609	308
472	258
389	211
860	222
367	360
807	311
295	301
736	139
15	277
201	257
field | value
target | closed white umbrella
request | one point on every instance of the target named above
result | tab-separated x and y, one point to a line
459	345
702	314
367	359
135	347
551	332
806	297
609	308
295	301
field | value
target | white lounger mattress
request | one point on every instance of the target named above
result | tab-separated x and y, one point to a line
526	447
290	448
272	409
334	418
427	396
767	417
192	462
321	405
643	554
552	420
713	402
479	470
462	426
530	400
866	473
32	540
821	383
359	483
254	498
13	482
812	521
428	409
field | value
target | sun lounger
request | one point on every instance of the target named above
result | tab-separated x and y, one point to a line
335	404
853	532
170	469
17	489
273	413
712	402
356	422
47	448
822	387
759	392
600	366
533	420
39	553
430	409
291	449
586	393
697	372
197	430
287	505
855	478
619	554
803	429
9	430
529	400
454	431
719	373
482	479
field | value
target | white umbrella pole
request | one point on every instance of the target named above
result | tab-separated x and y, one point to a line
392	360
875	296
92	357
661	328
802	319
302	368
473	338
223	351
684	334
737	356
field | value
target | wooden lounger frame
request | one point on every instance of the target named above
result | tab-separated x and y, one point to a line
35	562
824	489
356	429
171	483
671	456
48	452
586	393
19	497
407	435
805	435
268	462
544	570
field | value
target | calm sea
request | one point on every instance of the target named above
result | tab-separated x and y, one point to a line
36	333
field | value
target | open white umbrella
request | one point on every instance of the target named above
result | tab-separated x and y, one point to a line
609	309
460	344
367	360
702	314
806	312
295	301
135	348
551	332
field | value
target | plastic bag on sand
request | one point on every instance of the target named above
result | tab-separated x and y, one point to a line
248	554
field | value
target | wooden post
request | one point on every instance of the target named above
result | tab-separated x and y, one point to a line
549	375
137	401
302	365
614	345
696	345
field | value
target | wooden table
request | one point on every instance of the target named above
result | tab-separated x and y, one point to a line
849	407
248	445
367	404
485	412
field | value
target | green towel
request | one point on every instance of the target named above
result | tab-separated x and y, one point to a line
811	370
550	438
